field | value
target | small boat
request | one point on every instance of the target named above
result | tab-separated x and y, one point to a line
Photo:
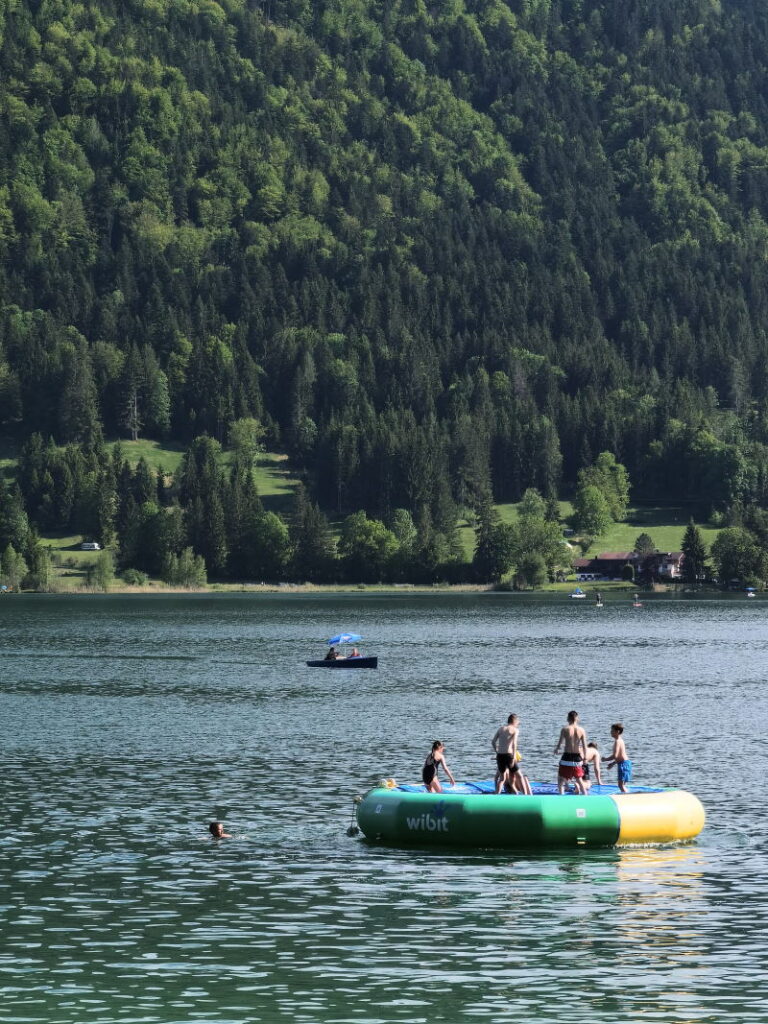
577	593
353	660
360	662
470	814
750	591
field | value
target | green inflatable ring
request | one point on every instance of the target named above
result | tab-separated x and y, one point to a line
394	815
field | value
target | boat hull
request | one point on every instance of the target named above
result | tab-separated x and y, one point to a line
541	821
346	663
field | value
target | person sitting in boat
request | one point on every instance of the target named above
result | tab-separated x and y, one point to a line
355	653
332	654
435	758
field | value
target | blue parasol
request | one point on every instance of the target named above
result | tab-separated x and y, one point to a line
344	638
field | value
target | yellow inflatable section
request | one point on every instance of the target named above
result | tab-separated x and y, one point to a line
658	817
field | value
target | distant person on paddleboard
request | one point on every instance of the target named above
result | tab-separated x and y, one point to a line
216	828
435	758
573	740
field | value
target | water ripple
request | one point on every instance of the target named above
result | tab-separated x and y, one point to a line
121	744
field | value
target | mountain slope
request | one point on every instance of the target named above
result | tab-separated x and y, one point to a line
443	250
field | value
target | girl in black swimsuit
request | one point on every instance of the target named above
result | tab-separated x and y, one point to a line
435	758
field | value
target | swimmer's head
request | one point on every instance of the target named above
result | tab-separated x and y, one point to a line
512	719
572	716
216	829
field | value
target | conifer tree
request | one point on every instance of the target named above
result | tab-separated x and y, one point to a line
14	524
644	545
695	562
78	405
313	546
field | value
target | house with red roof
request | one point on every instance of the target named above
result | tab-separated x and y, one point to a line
612	565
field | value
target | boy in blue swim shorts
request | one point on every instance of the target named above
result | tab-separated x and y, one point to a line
619	758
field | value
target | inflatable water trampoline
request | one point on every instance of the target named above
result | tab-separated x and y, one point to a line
471	814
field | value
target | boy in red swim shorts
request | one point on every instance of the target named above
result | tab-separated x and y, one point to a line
573	740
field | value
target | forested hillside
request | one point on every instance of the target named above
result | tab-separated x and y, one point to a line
444	251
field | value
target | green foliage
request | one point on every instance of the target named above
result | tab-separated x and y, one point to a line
271	549
134	577
538	550
245	440
602	495
382	233
532	506
738	557
531	570
592	513
495	548
695	551
366	548
644	545
441	253
612	480
40	576
13	568
314	550
185	570
101	573
14	523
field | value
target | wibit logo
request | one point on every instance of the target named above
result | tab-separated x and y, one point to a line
436	822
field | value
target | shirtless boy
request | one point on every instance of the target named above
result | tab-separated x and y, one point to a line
504	745
573	740
619	758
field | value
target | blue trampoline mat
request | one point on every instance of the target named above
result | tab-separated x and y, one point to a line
539	788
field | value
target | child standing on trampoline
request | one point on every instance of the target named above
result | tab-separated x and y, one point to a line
619	758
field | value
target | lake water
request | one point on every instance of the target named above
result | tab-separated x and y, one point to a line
130	722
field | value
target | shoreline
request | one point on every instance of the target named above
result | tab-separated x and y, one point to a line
386	589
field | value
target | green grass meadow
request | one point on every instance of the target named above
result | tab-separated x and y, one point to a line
276	484
274	480
665	524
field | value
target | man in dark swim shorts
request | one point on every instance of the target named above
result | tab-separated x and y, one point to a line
504	745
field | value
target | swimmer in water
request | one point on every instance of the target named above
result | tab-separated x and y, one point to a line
217	831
